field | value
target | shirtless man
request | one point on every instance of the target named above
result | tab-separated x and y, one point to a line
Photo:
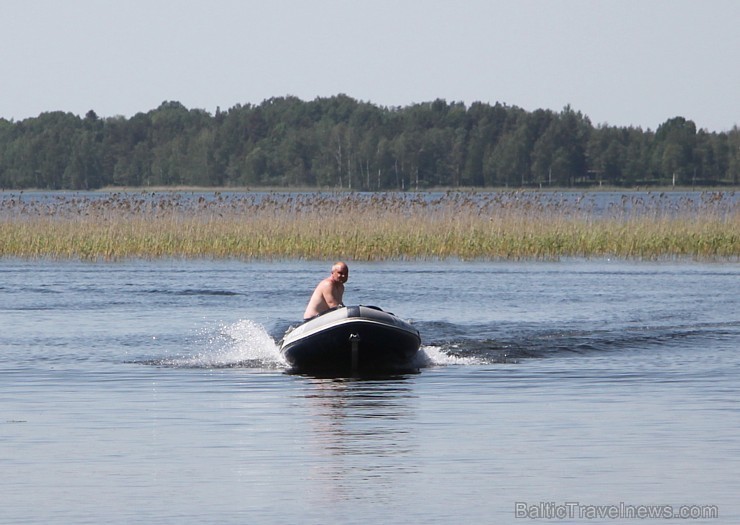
329	292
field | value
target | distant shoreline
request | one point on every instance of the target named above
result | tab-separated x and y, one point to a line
460	190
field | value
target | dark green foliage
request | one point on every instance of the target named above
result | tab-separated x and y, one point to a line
339	142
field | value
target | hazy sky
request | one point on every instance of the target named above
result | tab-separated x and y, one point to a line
620	62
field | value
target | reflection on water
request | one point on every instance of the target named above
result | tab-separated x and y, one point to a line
360	432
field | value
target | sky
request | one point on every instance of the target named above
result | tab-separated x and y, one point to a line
619	62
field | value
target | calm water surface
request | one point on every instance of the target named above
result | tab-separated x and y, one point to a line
153	392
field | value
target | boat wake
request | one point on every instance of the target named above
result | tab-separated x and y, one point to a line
248	344
497	344
243	344
430	356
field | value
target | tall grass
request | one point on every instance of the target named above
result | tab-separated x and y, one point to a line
520	225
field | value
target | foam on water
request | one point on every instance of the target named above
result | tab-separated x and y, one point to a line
251	344
436	356
244	343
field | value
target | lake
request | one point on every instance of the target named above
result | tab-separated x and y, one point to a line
577	391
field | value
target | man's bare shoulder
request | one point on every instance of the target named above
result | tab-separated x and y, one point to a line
326	283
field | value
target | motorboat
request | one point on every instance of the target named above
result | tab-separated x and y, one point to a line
353	339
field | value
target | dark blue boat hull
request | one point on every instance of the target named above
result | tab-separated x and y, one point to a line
358	339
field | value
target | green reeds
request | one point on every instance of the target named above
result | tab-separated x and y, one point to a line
521	225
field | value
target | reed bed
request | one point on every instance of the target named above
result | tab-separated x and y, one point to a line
367	227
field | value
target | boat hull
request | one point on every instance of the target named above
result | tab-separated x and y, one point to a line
353	339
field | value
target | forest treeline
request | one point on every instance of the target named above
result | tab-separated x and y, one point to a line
340	142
